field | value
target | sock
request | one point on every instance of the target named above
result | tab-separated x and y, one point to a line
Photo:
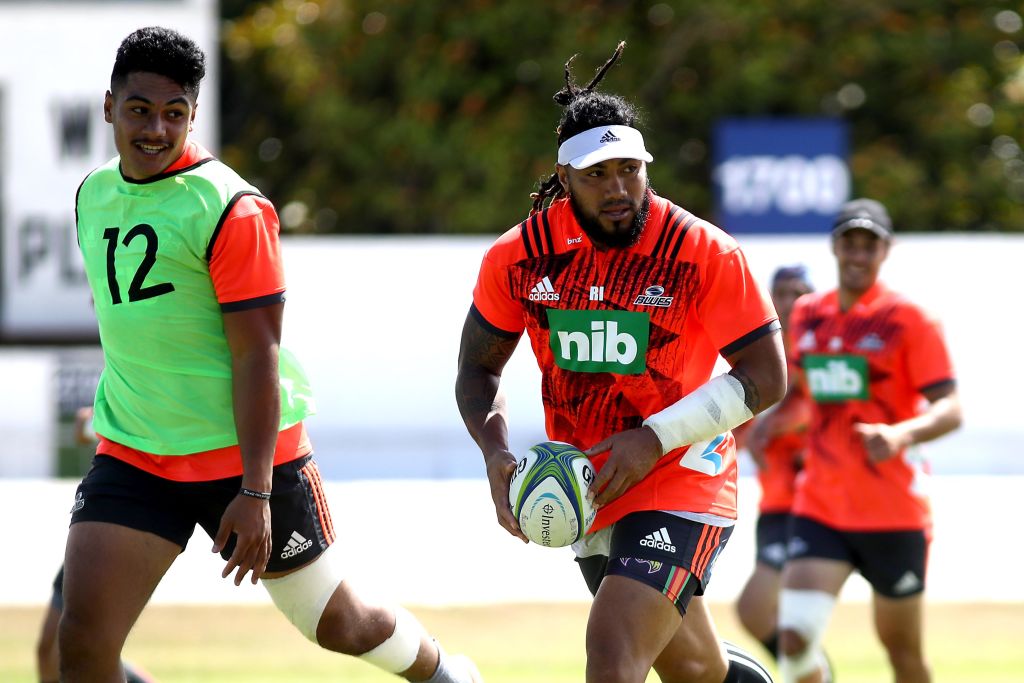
826	668
135	675
743	668
453	669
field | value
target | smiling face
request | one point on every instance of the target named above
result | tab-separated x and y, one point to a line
152	116
859	256
609	199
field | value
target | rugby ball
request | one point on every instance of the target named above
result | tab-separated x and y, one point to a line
548	494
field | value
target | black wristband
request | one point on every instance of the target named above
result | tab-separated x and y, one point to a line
262	495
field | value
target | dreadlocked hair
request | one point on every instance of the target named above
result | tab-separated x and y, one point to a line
584	109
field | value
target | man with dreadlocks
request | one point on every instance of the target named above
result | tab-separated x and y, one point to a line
628	301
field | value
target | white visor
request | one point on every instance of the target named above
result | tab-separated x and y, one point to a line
600	144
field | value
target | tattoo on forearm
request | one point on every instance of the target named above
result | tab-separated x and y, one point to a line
480	347
751	395
481	359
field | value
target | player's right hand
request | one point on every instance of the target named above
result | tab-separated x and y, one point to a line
500	467
249	519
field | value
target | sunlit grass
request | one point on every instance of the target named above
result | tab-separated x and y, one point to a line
511	644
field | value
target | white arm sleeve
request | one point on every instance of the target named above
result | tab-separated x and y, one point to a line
711	409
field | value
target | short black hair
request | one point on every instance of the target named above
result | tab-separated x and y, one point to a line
585	108
161	51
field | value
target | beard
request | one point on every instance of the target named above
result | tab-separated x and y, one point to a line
624	236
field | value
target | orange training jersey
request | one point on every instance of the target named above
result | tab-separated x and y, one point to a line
783	457
621	333
866	365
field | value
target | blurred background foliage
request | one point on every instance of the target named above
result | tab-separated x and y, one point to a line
406	116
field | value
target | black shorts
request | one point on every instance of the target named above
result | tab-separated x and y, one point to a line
671	554
893	562
772	536
118	493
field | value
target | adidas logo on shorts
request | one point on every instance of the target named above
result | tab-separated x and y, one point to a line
907	583
659	540
296	544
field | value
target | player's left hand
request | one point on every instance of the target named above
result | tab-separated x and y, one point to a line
633	454
881	441
249	519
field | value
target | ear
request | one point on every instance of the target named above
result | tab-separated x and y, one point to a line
108	107
192	117
563	176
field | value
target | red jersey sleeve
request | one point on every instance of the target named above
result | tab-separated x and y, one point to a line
927	358
734	309
245	262
492	296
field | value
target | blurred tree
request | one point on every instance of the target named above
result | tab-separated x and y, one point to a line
397	116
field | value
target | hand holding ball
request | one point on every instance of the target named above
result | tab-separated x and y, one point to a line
548	494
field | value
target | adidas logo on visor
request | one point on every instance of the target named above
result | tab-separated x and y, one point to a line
609	137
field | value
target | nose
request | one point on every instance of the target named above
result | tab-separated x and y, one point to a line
155	126
616	186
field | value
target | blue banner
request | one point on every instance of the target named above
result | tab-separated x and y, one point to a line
779	175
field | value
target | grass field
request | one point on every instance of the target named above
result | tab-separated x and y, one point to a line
512	644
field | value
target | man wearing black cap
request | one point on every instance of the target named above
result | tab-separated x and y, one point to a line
869	359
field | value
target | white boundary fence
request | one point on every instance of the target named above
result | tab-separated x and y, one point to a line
436	543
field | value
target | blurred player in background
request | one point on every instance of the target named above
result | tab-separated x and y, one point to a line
880	380
779	457
198	411
628	300
47	652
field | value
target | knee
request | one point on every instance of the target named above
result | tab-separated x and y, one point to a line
904	655
355	629
605	666
692	669
83	644
791	643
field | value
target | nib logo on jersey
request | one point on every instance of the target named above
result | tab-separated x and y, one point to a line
296	544
833	379
599	341
543	291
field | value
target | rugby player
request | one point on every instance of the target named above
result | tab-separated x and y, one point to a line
198	411
880	381
628	300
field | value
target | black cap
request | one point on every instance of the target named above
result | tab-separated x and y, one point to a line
797	271
863	213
